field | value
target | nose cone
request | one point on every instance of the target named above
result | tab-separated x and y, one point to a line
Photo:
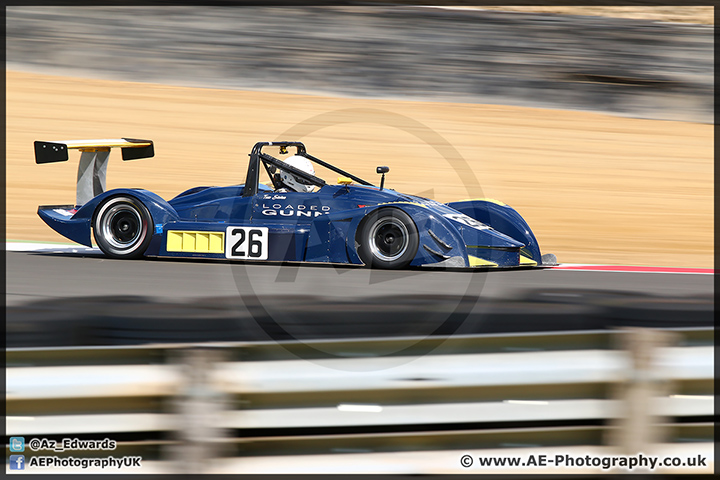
488	247
488	238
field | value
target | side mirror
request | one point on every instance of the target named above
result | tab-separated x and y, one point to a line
382	170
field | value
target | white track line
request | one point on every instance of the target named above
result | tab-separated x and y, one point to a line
49	248
576	267
584	267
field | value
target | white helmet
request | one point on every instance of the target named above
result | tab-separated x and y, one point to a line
291	181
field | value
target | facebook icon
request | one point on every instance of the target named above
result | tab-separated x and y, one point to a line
17	462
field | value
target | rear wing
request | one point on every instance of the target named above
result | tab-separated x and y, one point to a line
92	168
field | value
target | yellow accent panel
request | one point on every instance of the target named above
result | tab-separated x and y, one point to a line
202	242
479	262
217	243
527	261
174	241
195	242
491	200
188	242
344	181
103	143
106	149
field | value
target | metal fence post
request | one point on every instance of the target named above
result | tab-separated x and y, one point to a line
198	407
638	425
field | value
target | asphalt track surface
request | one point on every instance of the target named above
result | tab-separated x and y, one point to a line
627	67
86	299
37	276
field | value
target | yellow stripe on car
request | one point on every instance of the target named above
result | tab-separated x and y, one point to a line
479	262
527	261
491	200
195	242
104	143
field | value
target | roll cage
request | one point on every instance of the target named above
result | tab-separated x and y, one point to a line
271	164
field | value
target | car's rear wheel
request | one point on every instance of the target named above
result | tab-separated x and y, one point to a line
122	227
387	238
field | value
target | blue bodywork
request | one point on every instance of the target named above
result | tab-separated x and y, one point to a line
321	226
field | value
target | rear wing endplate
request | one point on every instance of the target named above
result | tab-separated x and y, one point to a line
92	168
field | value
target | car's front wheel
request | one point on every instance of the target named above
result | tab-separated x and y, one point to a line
387	238
122	227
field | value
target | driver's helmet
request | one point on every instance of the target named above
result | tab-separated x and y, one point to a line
290	181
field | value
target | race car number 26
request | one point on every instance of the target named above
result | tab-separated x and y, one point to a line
246	243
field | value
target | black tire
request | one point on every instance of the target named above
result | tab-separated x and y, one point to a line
387	238
121	227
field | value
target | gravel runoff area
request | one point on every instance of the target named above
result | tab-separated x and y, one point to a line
630	67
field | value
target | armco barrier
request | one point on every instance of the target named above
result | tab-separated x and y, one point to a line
136	320
238	407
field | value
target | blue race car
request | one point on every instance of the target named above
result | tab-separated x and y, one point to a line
352	222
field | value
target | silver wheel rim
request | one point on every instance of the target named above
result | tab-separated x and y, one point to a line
118	220
381	245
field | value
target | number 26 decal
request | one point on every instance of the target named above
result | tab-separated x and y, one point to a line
246	243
